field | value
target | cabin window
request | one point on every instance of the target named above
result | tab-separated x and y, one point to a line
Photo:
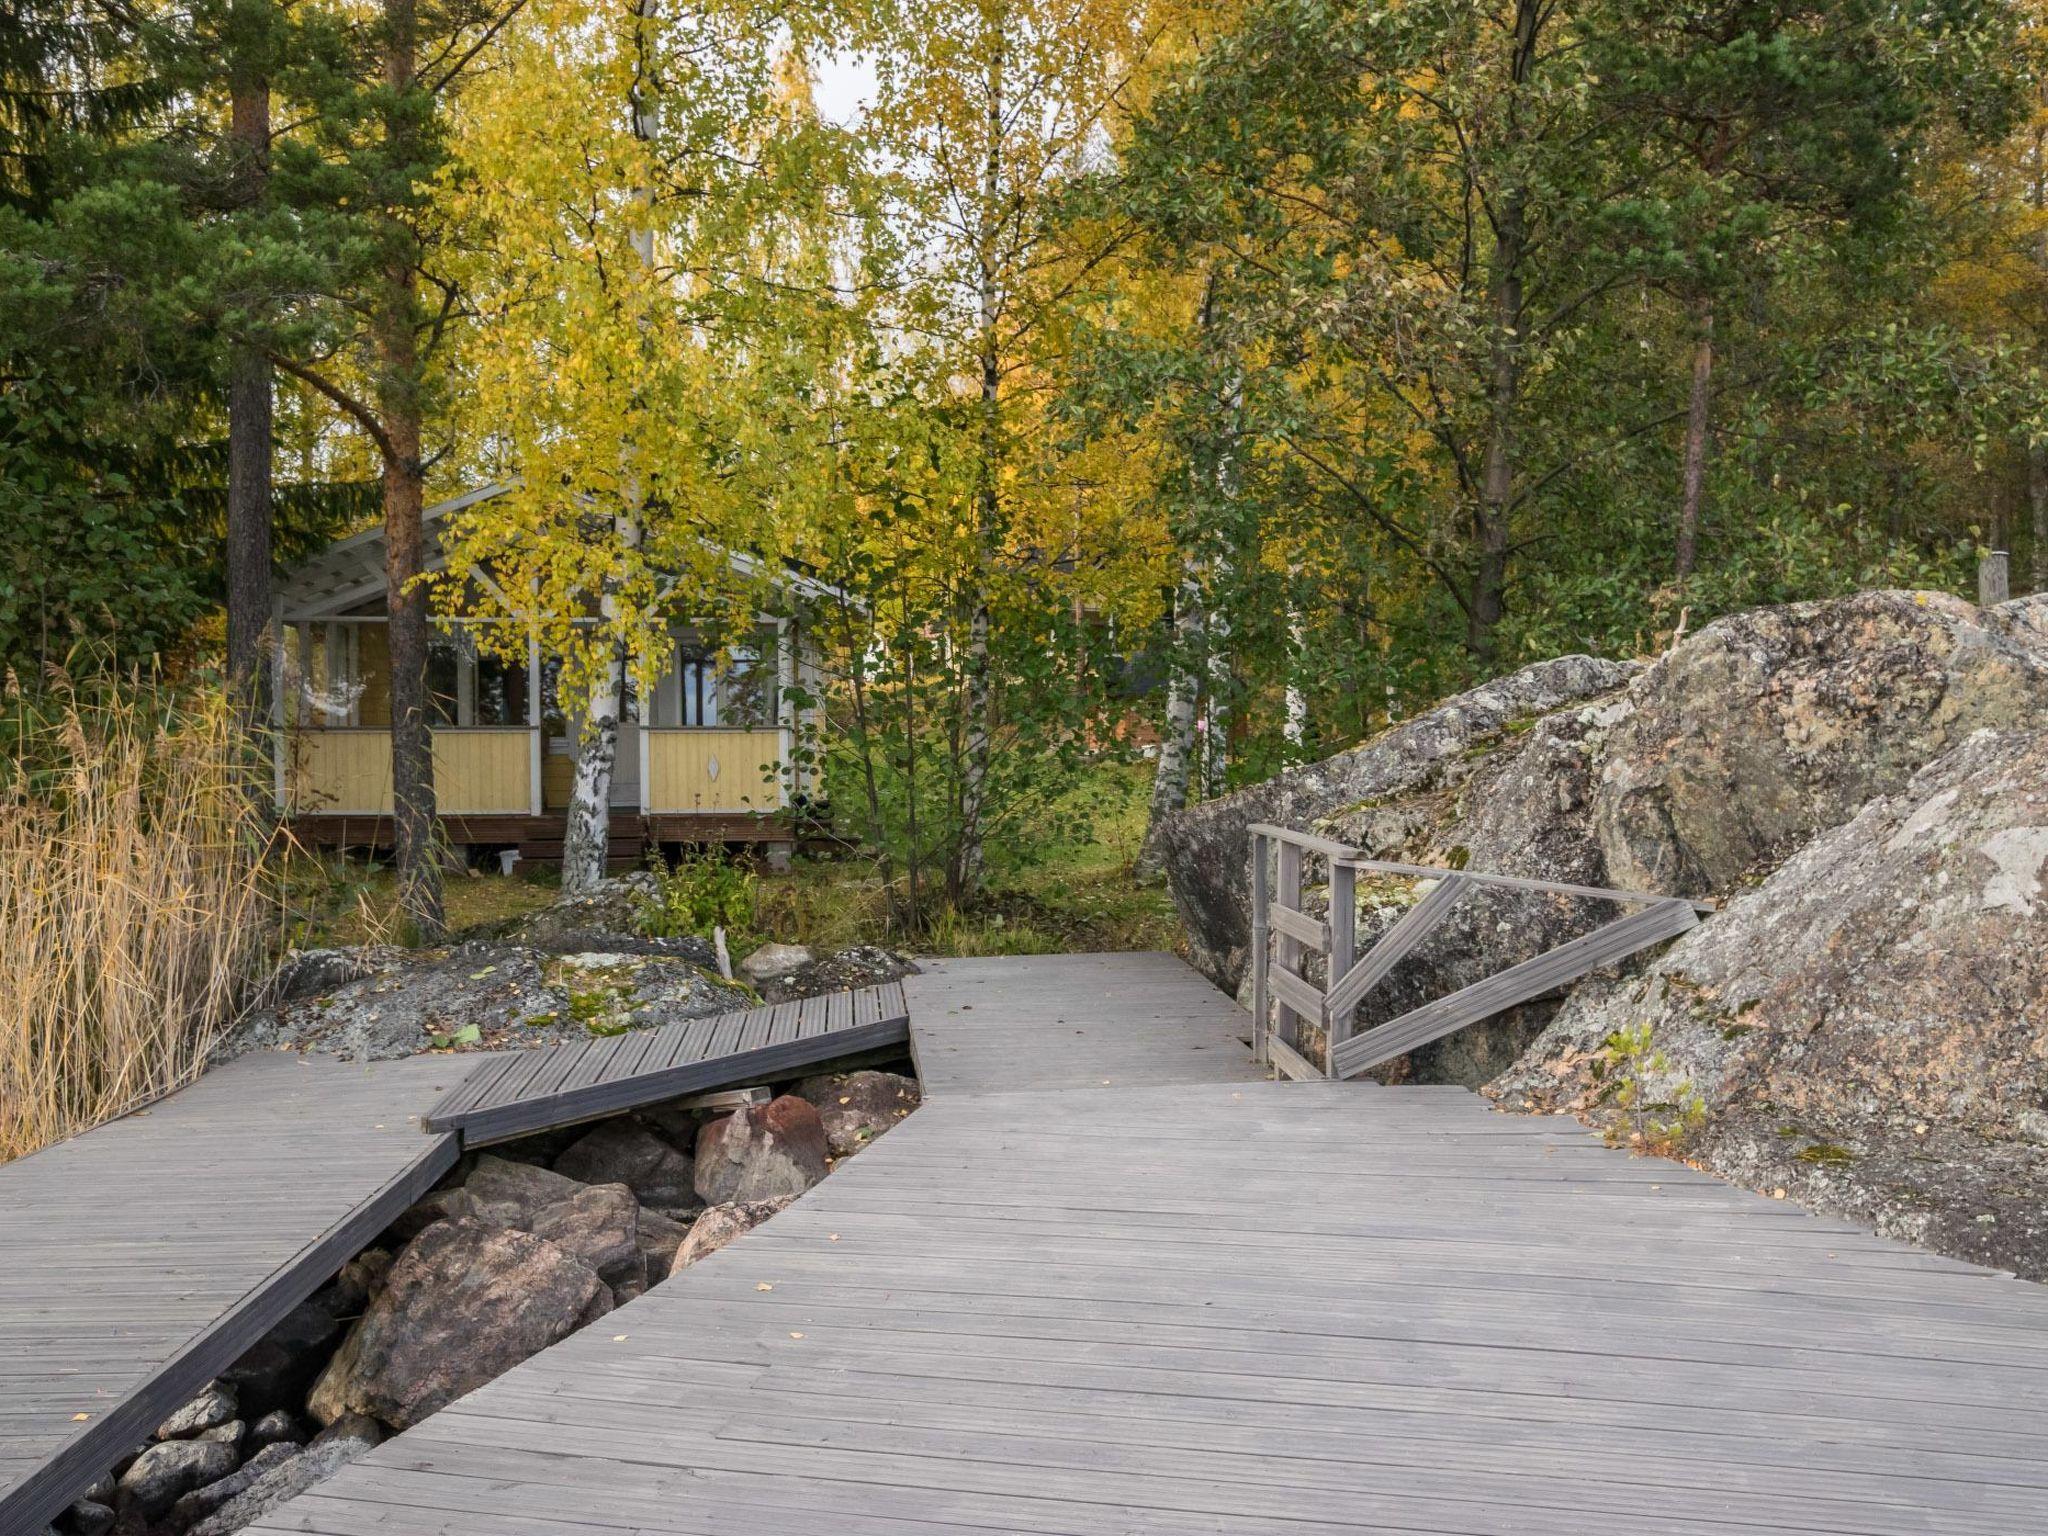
500	691
731	696
467	686
445	666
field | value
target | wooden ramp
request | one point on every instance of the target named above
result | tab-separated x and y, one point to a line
519	1092
142	1258
1254	1308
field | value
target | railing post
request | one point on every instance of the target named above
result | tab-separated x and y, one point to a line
1260	959
1343	921
1287	882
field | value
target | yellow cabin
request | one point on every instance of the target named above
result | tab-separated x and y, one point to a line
708	757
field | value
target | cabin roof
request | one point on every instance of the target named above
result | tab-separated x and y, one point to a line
350	572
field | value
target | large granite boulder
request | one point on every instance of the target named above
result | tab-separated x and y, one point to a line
504	1192
763	1152
719	1225
625	1152
464	1303
856	1107
1207	848
599	1224
1867	1027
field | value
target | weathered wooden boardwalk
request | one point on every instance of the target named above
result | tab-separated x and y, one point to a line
142	1258
1205	1304
518	1092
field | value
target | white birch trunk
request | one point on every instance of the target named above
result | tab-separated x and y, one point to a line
586	839
1177	734
1296	725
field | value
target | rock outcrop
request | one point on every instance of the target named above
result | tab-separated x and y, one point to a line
1881	996
1207	847
1770	726
487	995
845	970
1862	782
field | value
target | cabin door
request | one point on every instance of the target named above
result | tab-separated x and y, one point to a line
558	761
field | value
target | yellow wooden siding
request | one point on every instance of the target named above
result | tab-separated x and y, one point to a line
334	771
707	770
483	770
475	772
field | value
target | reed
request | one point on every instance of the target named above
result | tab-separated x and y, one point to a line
138	910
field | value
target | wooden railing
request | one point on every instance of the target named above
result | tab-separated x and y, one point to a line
697	769
1284	932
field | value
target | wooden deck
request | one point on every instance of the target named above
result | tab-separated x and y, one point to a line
140	1259
1050	1022
1207	1304
518	1092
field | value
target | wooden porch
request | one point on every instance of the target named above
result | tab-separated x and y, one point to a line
538	839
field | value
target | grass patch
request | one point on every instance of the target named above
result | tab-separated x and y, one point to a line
1047	892
336	901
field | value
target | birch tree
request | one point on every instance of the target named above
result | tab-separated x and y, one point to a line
641	274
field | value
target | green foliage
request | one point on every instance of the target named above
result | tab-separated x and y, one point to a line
1430	279
702	891
1652	1113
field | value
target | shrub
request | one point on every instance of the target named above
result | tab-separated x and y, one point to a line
1653	1114
137	913
705	890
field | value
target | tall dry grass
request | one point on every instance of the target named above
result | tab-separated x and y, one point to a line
138	913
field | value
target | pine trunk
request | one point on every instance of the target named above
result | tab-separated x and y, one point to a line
249	417
964	877
1492	516
414	818
1697	422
